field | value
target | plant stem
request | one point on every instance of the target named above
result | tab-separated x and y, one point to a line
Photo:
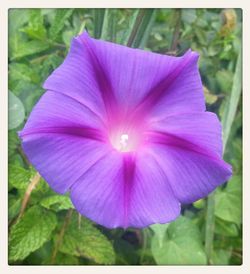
25	159
79	220
61	234
35	180
227	120
135	29
144	245
98	15
209	231
141	28
176	33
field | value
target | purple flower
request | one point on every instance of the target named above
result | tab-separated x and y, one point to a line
126	132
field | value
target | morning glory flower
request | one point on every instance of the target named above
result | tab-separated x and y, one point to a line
126	132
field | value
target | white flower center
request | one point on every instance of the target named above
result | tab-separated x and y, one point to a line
124	142
126	139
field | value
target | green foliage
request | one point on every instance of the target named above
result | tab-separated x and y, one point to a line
225	228
228	201
108	31
181	244
221	257
22	72
19	177
36	28
189	16
63	259
16	111
39	40
56	202
59	21
30	233
231	106
29	48
14	206
98	15
87	241
141	29
13	142
225	80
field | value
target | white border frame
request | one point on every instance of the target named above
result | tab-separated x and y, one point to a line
7	4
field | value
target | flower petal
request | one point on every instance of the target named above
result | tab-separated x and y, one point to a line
76	78
62	138
178	91
138	77
98	193
123	190
56	111
200	128
152	199
62	158
191	173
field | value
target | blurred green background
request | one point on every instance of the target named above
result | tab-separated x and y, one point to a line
43	226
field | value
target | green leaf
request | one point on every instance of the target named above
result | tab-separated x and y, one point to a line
64	259
228	202
35	28
125	252
56	202
199	204
50	64
141	29
31	232
108	32
188	15
59	22
225	80
213	50
16	111
129	21
29	48
17	18
225	228
41	191
13	142
19	46
201	36
98	15
23	72
14	205
19	177
87	241
221	257
160	232
67	37
182	244
209	96
231	107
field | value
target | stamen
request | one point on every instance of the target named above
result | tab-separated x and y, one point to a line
124	142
